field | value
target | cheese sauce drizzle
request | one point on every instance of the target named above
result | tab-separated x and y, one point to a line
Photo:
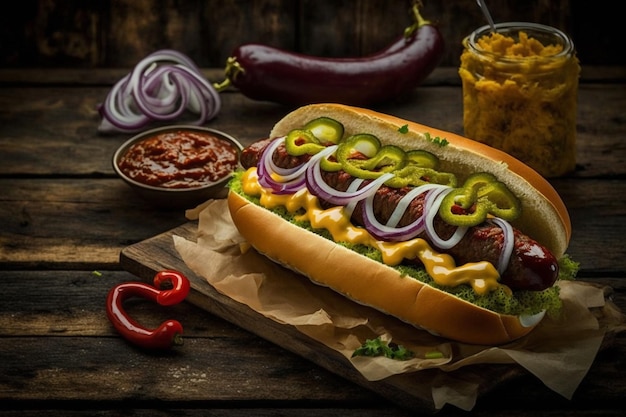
482	276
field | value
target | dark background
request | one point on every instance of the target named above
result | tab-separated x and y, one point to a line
118	33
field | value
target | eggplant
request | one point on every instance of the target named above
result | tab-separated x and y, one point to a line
265	73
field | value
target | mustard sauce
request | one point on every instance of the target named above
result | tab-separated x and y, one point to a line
482	276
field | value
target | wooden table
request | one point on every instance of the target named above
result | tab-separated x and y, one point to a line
66	218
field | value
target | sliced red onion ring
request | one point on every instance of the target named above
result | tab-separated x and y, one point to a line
286	174
161	87
353	187
158	91
389	231
386	233
267	180
507	245
404	202
431	207
319	188
279	187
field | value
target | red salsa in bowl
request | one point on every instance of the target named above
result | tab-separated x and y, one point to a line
180	159
179	164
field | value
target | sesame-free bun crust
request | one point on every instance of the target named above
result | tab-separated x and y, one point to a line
369	282
544	215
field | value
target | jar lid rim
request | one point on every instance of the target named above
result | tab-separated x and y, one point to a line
508	27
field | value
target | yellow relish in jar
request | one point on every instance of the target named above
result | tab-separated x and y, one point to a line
520	87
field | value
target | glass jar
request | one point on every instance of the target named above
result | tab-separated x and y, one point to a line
520	88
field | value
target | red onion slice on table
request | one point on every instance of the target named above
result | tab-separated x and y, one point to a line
161	87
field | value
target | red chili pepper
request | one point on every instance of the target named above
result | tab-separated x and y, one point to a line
169	333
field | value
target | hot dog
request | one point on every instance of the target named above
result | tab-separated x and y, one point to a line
442	232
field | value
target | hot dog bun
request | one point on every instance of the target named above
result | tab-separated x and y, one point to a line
375	284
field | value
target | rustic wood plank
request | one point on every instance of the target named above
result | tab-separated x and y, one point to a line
65	33
201	370
118	33
211	351
40	150
76	77
455	29
296	409
350	29
588	229
206	31
158	408
74	223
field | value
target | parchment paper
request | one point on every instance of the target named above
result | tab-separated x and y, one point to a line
558	352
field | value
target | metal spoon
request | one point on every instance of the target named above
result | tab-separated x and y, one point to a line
483	7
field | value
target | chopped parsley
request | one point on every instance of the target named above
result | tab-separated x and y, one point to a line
436	140
376	347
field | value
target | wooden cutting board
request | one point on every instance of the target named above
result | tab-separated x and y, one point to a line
146	258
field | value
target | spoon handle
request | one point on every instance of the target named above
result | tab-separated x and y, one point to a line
483	7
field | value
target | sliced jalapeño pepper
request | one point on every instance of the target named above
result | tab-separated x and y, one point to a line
388	158
480	196
330	164
504	204
414	176
422	158
302	142
325	129
420	169
362	156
